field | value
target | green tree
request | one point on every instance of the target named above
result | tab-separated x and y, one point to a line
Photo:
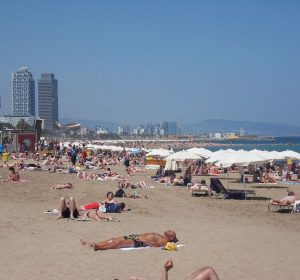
22	124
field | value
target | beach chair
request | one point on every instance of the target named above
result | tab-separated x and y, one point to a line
197	192
223	193
296	206
277	207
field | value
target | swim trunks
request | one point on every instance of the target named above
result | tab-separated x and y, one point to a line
136	243
93	205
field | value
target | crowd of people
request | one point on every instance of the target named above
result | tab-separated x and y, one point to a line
85	164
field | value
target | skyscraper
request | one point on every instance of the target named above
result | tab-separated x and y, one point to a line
48	100
23	93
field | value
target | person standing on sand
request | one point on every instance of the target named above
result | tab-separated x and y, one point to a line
134	241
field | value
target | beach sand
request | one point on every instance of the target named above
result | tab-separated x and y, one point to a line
239	239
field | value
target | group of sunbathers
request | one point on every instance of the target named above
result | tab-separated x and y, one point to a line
95	210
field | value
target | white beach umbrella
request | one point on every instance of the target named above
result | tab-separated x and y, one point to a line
217	155
184	155
171	165
201	151
290	154
159	152
241	158
273	155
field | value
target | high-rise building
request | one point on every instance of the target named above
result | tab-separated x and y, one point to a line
23	93
48	100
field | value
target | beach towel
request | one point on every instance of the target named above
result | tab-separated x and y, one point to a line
80	219
52	211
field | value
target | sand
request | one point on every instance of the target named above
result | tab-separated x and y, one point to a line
240	239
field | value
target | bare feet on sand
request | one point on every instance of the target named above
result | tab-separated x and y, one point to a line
88	244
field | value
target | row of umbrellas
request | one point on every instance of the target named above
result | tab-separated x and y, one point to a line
227	157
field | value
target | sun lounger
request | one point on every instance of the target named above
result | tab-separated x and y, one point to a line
217	187
277	207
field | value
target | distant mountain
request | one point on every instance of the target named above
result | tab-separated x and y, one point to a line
255	128
111	126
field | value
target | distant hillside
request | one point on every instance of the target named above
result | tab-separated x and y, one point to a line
111	126
256	128
207	126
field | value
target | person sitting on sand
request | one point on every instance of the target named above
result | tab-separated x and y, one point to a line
205	273
134	241
14	176
109	198
287	200
68	208
62	186
267	177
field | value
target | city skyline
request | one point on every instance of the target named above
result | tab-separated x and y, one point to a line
182	61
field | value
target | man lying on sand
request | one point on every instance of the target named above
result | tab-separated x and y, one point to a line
134	241
205	273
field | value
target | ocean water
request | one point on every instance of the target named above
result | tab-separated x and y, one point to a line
277	143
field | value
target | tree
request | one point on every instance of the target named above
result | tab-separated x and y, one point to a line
22	124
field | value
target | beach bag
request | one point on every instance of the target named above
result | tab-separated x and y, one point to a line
119	193
112	208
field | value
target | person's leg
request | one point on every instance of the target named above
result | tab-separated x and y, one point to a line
98	216
114	243
72	207
205	273
62	207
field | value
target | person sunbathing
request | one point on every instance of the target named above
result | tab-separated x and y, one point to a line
107	207
109	198
97	215
134	241
68	208
205	273
267	177
202	186
287	200
62	186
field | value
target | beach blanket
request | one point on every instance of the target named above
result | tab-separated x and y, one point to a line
80	219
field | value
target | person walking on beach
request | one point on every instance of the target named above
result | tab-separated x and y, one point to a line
127	163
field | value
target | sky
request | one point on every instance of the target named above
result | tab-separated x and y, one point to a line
139	61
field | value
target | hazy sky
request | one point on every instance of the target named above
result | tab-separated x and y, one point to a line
139	61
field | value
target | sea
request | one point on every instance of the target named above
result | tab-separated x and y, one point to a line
270	144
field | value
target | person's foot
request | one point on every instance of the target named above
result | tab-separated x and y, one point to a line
85	243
